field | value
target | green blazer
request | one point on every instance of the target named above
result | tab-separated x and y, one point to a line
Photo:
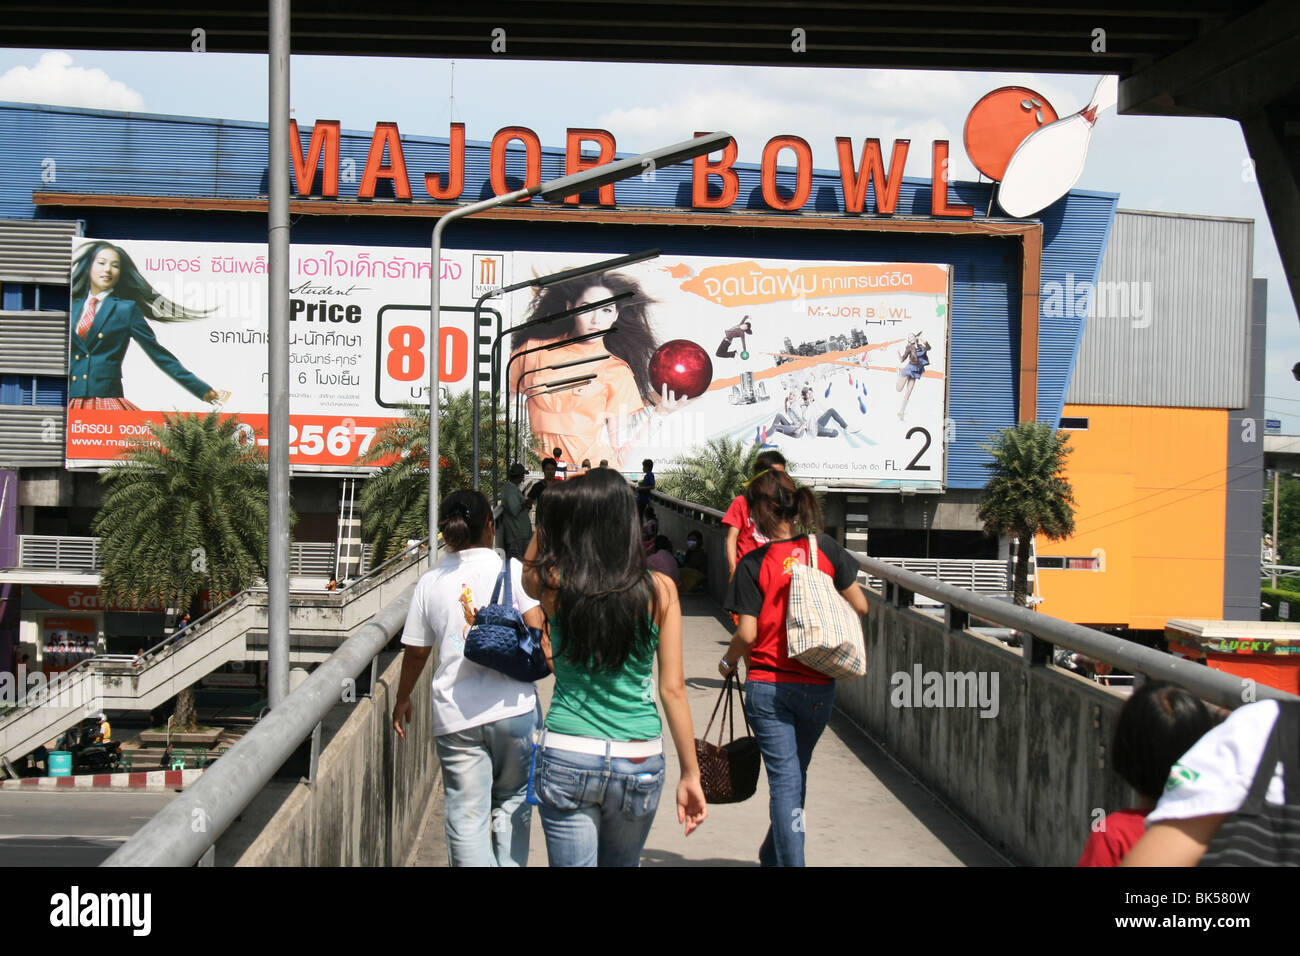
95	362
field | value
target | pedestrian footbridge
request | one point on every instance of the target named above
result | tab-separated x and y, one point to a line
963	745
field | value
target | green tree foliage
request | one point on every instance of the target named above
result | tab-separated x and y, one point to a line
712	474
184	511
395	500
1288	517
1027	494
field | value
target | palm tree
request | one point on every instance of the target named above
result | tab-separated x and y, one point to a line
1027	494
712	474
395	500
185	511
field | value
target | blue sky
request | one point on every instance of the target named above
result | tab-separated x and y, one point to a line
1170	164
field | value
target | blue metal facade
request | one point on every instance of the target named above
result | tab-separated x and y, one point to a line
55	149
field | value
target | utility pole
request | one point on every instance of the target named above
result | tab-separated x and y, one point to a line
1277	549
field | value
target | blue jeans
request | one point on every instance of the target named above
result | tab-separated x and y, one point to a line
787	719
485	776
597	811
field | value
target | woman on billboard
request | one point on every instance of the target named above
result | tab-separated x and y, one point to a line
603	417
112	304
915	357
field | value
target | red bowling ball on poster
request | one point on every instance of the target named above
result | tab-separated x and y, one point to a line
683	366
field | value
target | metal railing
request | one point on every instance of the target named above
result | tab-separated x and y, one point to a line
973	574
1039	633
71	679
47	552
230	784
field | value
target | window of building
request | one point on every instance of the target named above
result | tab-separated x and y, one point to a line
1048	562
1074	424
44	390
30	297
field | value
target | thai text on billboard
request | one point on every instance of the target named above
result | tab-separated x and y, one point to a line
159	327
841	366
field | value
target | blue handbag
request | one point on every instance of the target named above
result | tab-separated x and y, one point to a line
500	639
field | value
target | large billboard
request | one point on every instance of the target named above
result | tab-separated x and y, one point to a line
841	366
158	327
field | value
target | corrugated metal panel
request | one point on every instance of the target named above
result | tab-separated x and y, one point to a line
1170	322
34	342
1075	231
37	251
31	436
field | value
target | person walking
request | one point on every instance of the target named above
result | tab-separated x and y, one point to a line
645	486
741	536
788	704
483	721
601	769
514	520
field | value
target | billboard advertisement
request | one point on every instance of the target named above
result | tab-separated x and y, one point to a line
841	366
157	327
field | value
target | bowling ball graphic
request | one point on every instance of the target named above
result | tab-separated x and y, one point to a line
999	122
683	366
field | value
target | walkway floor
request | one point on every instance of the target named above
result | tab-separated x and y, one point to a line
863	809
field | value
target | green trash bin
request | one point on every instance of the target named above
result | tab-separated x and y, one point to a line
60	763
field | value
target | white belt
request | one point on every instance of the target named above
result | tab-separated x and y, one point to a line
600	747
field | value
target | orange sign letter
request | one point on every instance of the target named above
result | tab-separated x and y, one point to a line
532	158
702	168
324	137
802	172
939	205
575	163
455	168
385	134
873	170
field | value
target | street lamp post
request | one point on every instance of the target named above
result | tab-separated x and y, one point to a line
512	442
556	189
542	282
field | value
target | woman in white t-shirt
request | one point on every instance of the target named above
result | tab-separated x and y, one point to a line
483	721
1223	775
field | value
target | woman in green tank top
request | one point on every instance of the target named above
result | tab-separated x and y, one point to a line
601	769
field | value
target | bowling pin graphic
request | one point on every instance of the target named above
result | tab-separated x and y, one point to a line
1051	159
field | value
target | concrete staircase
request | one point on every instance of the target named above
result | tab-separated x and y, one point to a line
235	631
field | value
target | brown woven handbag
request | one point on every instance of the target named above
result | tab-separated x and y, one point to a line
728	772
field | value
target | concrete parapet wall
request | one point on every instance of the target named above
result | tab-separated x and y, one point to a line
371	789
1032	777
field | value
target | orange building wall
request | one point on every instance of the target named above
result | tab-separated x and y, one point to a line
1150	486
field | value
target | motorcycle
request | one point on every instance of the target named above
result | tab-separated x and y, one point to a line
90	755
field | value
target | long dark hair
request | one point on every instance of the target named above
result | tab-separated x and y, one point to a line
635	342
763	463
774	498
589	541
462	518
131	285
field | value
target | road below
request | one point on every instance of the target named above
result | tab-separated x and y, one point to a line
71	829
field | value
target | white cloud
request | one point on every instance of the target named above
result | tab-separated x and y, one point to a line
56	82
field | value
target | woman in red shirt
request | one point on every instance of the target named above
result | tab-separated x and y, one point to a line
787	703
739	523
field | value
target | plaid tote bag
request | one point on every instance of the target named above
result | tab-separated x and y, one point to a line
822	631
